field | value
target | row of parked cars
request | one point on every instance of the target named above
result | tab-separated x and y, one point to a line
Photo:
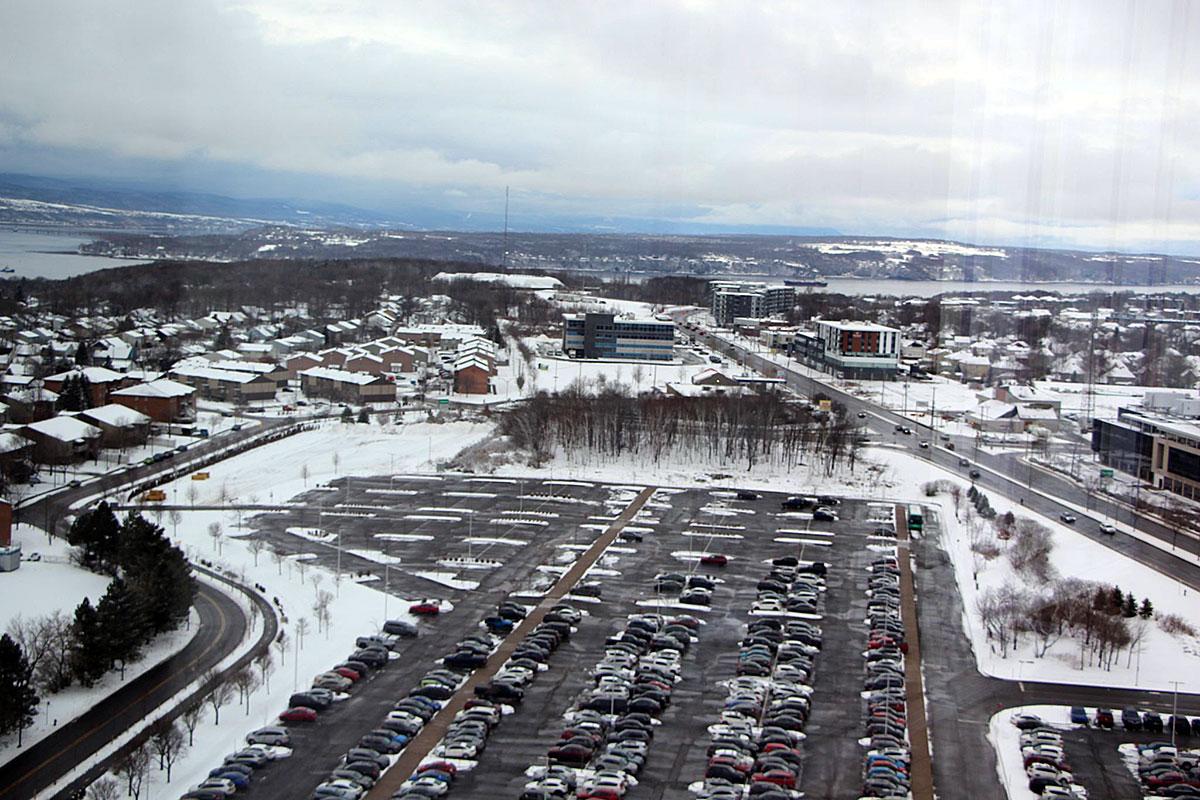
268	743
466	736
609	730
695	589
1045	760
1168	771
888	757
824	507
754	747
1134	720
802	595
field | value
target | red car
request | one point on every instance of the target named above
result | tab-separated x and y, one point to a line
441	766
346	672
779	777
598	793
714	559
298	714
427	608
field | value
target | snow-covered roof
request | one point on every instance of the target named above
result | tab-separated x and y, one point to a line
116	415
208	373
12	442
64	429
340	375
93	374
505	278
472	360
163	387
993	409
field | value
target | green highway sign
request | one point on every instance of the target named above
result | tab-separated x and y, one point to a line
1106	473
445	401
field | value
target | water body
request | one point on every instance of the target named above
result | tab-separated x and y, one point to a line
48	255
866	287
51	255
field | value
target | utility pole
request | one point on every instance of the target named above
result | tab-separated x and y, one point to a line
1174	708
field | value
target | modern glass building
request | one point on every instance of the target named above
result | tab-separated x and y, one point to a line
604	336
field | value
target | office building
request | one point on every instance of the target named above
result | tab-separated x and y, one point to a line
604	336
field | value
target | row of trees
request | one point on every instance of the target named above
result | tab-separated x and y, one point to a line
723	429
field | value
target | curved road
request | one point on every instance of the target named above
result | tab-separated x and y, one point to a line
221	628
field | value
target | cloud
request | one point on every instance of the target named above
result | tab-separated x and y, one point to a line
1075	120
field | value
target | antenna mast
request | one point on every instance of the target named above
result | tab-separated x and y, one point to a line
505	227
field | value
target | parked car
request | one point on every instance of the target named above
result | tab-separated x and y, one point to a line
273	735
396	627
426	608
747	495
714	559
297	714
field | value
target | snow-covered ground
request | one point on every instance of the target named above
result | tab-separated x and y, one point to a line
274	471
51	584
1158	660
1006	740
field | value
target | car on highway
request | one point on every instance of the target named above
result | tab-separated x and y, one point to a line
1111	530
974	474
1067	518
923	445
862	415
963	462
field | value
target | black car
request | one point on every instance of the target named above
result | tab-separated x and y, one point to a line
746	495
796	503
307	700
974	474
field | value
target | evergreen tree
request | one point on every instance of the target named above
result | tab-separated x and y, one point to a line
97	533
1100	599
83	355
157	573
84	390
89	660
347	414
1116	599
364	417
18	700
1147	609
122	624
1129	609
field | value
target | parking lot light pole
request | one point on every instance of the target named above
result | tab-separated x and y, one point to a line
1174	709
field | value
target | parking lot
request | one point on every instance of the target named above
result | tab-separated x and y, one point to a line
513	538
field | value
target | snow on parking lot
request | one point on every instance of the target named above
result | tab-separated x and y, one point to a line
1006	740
278	471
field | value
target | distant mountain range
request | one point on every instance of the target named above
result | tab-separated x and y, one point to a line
133	222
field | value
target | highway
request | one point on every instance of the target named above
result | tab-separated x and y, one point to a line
1038	489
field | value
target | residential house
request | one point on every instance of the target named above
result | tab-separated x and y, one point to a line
162	400
120	426
63	440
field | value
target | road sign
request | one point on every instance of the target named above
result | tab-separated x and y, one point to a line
445	401
1106	472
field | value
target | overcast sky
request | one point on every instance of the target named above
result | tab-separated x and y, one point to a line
1034	121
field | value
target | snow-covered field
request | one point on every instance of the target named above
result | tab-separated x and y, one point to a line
53	583
1158	660
275	472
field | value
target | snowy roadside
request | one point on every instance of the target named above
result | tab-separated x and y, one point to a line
1158	659
70	585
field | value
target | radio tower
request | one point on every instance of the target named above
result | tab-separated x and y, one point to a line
505	262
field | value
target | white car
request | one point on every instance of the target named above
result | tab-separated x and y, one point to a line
222	785
461	750
1111	530
345	786
430	783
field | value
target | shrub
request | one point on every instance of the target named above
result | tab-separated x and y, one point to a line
1175	625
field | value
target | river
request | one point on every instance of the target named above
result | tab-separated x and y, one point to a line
49	255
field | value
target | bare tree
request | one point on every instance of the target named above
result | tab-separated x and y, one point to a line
278	556
193	493
266	665
257	545
337	461
133	769
302	627
167	742
281	644
321	610
245	682
35	639
191	716
103	788
220	695
175	518
216	532
304	473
